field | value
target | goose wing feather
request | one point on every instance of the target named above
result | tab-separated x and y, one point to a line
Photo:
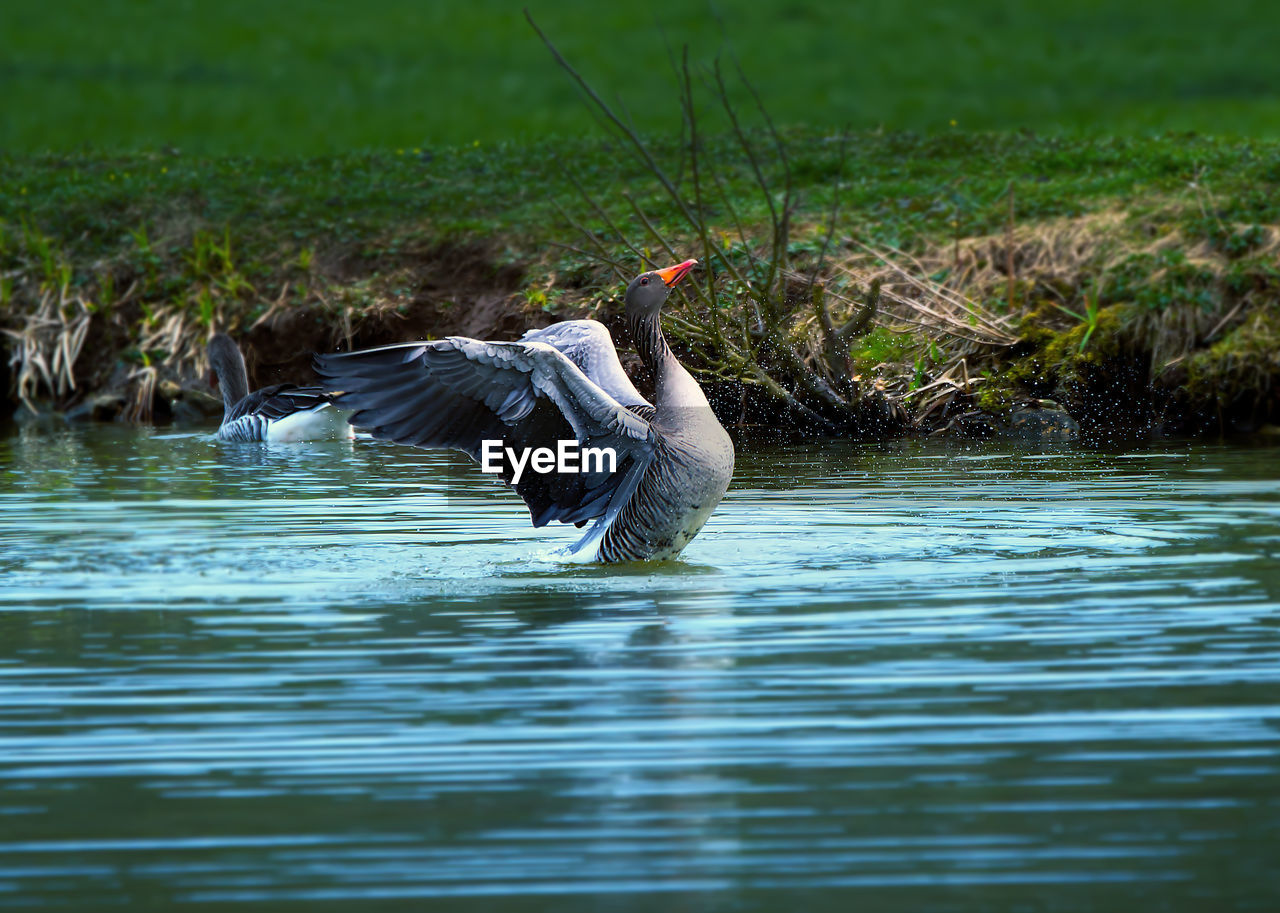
588	344
276	402
458	392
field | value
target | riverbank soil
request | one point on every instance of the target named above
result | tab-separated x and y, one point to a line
1037	287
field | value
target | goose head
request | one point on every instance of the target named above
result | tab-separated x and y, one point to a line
647	291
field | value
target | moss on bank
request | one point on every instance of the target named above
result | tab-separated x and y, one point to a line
1237	374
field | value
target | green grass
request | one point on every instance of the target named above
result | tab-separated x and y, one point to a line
898	189
316	77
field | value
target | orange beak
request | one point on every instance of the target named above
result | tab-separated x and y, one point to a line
673	274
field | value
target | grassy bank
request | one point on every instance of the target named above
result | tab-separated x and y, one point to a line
1135	281
319	76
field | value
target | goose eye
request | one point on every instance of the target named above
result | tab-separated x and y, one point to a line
644	281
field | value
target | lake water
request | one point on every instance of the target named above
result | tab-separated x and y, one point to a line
885	677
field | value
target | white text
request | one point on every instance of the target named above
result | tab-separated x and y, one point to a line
568	457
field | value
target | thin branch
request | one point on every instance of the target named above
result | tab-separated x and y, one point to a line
632	137
836	196
784	235
690	116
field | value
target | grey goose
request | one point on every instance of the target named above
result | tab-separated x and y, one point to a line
674	460
282	413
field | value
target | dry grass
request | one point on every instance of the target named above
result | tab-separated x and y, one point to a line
45	348
1047	257
176	333
917	303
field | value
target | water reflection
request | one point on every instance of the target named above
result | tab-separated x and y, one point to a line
947	678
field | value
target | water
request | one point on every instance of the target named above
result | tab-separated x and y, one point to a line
895	677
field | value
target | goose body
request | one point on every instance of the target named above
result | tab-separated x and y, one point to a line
673	458
283	413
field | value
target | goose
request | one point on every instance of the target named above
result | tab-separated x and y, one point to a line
555	387
283	413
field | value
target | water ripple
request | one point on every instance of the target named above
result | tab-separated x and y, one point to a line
941	678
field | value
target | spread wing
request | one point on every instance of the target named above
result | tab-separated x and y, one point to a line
458	392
